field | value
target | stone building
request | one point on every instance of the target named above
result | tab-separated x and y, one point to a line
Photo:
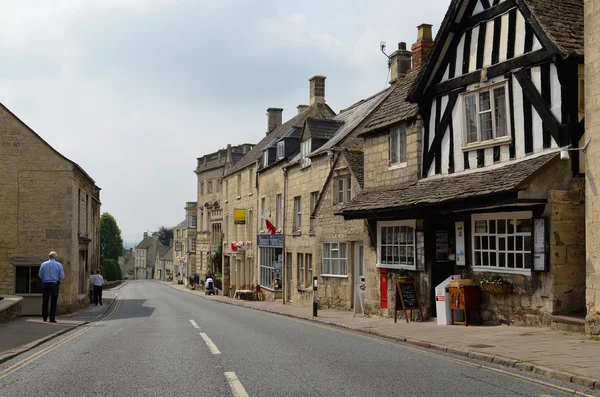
592	157
145	256
241	202
184	245
127	263
210	170
163	265
47	203
498	98
178	252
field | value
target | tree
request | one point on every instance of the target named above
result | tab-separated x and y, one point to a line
165	235
110	269
111	242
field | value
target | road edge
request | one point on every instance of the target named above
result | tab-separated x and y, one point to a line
525	366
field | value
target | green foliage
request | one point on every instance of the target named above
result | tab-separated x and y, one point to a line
111	242
110	269
165	235
495	279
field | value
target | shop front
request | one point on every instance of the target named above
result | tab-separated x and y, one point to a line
270	248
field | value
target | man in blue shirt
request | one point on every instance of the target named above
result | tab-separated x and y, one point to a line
51	272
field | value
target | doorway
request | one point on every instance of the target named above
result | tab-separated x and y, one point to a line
442	257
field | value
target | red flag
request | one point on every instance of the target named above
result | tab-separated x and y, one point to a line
272	229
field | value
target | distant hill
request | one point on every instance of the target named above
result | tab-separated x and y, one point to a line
130	244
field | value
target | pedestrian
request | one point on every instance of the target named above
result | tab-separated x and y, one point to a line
92	275
98	281
51	273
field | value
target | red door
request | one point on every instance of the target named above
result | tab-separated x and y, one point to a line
383	287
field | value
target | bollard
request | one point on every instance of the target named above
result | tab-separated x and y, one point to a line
315	295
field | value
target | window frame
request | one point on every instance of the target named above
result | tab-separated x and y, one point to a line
467	125
194	221
300	270
330	270
30	279
297	223
314	199
280	150
519	215
346	189
209	187
266	158
399	147
404	223
304	152
309	270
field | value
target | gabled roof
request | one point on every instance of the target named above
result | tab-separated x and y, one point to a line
181	225
434	191
320	128
356	163
396	107
145	243
168	256
296	121
560	22
163	250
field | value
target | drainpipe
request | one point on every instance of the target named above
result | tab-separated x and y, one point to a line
284	282
257	220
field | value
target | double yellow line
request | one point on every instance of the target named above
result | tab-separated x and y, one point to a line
40	354
114	310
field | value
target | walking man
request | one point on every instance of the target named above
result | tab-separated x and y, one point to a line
98	282
51	273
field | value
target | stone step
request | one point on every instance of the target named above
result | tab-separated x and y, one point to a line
572	323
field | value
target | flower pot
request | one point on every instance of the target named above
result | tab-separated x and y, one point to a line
497	289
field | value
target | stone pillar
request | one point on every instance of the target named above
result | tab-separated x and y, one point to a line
592	157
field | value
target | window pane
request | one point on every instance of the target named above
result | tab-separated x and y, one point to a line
403	235
492	242
502	259
519	246
326	251
492	227
520	261
471	110
485	123
527	241
22	280
343	250
410	255
510	226
501	226
478	242
403	255
485	258
480	226
394	154
500	112
348	189
511	243
477	258
528	261
492	259
484	101
402	144
335	266
326	266
410	235
511	260
343	267
484	242
384	235
523	225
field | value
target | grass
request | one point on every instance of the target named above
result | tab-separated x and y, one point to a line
596	338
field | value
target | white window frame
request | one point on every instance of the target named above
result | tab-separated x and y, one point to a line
466	130
398	150
304	152
329	268
297	213
411	223
266	158
502	216
346	190
280	150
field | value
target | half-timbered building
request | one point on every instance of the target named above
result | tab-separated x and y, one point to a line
499	191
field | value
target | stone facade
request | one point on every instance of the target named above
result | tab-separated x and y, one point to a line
592	155
47	203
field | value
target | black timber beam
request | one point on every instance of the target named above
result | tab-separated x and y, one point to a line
486	15
440	130
539	32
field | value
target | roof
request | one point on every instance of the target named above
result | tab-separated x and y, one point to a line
181	225
145	243
395	108
294	132
356	163
163	251
432	191
257	151
352	117
168	256
321	128
562	20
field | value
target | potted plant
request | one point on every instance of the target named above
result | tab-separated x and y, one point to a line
496	285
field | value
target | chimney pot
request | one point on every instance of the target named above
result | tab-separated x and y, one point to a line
402	45
274	116
301	108
422	46
317	89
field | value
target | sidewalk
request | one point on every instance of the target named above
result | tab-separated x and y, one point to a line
25	333
561	355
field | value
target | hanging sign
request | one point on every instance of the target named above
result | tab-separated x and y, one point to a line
239	216
460	244
539	245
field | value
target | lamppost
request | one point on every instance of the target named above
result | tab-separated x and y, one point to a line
181	261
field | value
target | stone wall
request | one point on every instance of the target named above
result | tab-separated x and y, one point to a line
10	308
592	156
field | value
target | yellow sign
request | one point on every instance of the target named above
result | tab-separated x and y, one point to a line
239	217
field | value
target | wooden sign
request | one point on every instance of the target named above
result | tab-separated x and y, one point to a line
407	298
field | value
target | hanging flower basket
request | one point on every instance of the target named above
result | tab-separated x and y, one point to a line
496	289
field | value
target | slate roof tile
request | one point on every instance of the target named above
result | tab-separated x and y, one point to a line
356	162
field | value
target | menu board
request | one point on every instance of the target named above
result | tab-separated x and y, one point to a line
407	298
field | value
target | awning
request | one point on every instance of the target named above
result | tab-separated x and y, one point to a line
434	191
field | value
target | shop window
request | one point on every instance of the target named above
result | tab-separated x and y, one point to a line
270	268
335	259
486	115
27	280
503	242
396	245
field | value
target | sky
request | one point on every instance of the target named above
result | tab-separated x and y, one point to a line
134	91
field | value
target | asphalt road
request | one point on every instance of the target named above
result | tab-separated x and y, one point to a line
157	341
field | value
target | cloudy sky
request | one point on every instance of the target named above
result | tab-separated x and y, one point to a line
135	90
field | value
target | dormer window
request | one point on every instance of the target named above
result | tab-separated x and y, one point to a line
266	158
280	150
304	152
485	114
398	145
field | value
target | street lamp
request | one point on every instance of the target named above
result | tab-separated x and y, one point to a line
181	261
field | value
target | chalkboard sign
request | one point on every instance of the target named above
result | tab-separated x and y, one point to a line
407	298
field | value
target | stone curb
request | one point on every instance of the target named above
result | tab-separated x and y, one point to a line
31	345
593	384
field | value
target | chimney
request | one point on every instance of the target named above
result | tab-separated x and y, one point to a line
422	46
399	63
302	108
145	234
317	89
273	118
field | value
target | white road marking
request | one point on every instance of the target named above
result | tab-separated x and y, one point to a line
194	324
120	329
211	345
235	384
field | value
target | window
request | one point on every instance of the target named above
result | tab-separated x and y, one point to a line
266	158
502	242
218	184
280	150
250	179
194	220
304	152
485	112
314	197
396	245
335	262
300	275
192	245
239	185
297	214
202	187
398	145
209	187
343	190
309	272
278	211
270	267
27	281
